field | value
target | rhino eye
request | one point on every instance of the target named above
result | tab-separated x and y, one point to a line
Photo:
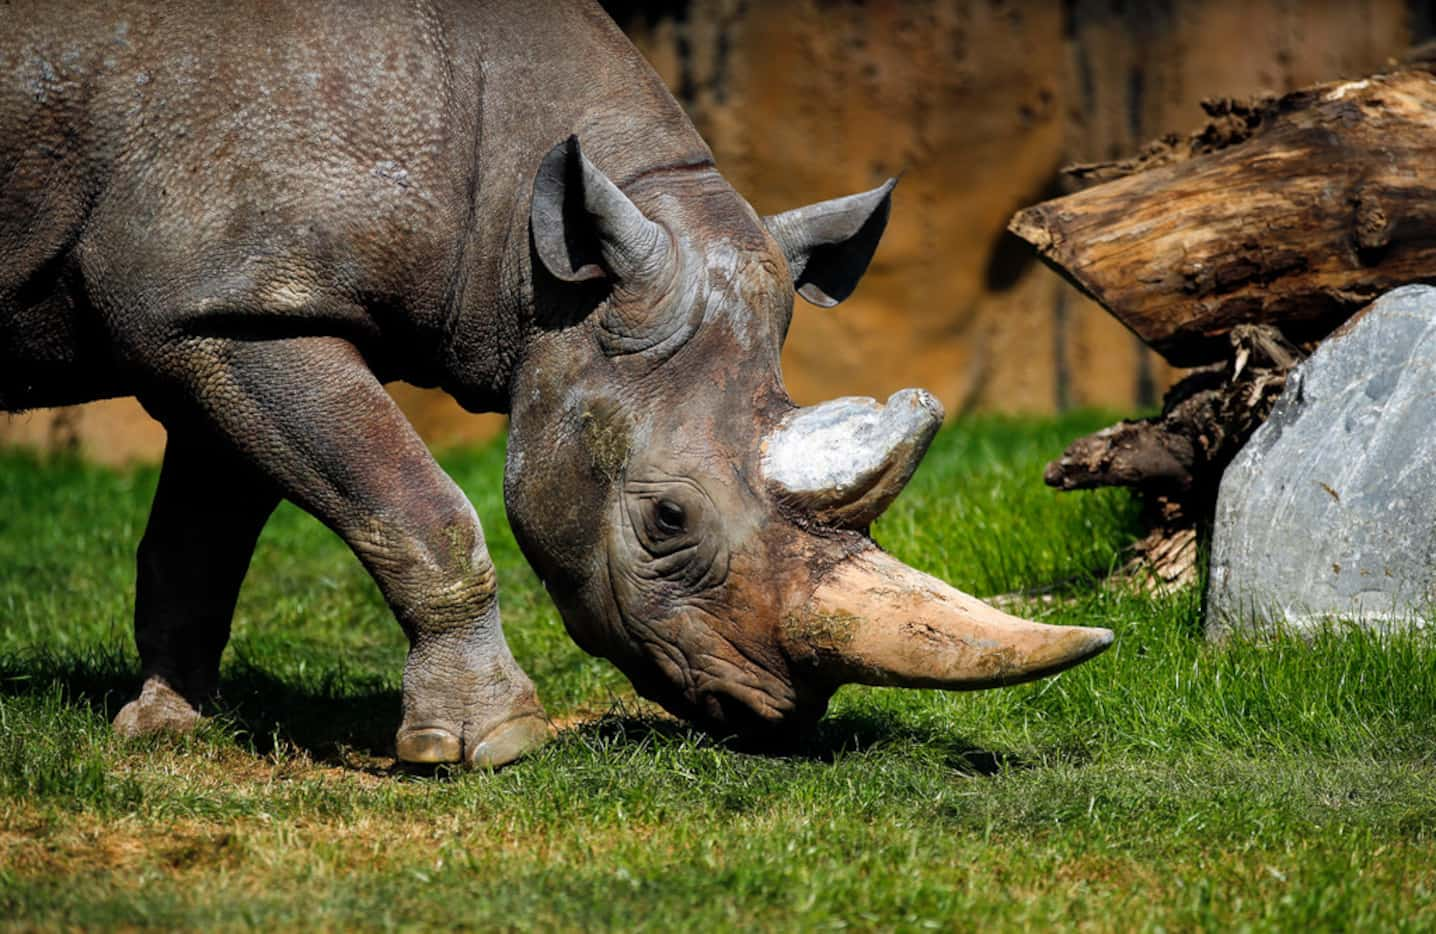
667	523
669	517
666	515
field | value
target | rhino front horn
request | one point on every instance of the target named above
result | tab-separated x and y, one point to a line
874	620
843	462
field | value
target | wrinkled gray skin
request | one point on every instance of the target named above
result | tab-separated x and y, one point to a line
252	214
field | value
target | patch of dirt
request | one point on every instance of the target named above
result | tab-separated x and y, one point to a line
43	844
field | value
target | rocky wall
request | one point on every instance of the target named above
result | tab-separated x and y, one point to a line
978	104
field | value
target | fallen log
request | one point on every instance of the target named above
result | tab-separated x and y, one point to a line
1175	460
1205	419
1293	212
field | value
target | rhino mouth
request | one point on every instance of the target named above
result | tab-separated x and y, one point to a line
696	674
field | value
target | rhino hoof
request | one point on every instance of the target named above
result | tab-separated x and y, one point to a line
510	740
503	744
428	747
158	709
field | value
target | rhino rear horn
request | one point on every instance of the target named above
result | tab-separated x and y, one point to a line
584	227
829	245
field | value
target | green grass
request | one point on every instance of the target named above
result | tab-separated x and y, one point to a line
1168	784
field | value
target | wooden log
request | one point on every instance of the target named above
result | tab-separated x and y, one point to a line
1293	212
1175	460
1206	418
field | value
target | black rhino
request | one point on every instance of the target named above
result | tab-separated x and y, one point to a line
250	214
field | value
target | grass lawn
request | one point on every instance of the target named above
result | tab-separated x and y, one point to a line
1168	784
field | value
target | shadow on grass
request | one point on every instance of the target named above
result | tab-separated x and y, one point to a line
832	739
350	721
330	722
102	681
849	734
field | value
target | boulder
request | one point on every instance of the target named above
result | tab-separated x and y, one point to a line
1329	511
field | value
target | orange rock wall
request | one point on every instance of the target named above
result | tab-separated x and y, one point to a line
978	103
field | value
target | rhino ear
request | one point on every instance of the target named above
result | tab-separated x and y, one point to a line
829	245
584	227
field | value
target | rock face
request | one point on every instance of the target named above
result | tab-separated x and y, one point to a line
1329	512
980	103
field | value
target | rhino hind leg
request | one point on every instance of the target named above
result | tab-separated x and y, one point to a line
309	415
208	511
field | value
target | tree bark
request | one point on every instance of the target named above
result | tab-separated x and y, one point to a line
1292	212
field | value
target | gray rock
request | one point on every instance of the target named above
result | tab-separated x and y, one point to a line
1329	511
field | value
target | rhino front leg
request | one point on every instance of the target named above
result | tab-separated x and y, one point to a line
309	414
209	509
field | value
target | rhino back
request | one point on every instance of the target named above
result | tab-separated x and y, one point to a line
271	166
249	165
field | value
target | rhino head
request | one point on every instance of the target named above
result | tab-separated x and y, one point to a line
694	525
